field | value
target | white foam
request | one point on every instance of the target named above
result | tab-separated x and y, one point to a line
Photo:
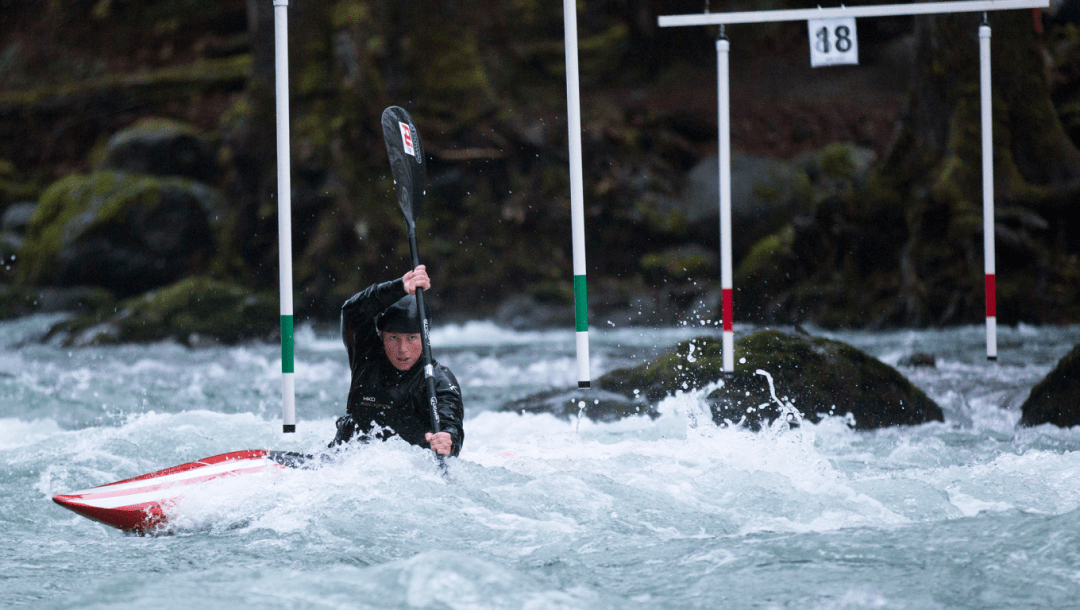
15	433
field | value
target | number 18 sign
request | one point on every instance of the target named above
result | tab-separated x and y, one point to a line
833	42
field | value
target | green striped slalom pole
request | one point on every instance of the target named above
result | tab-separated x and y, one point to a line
284	183
577	208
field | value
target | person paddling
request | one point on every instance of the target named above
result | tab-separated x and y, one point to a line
381	329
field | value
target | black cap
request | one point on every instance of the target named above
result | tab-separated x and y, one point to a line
401	317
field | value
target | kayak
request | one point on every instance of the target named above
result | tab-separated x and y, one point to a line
138	504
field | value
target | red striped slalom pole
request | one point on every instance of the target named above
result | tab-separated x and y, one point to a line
988	190
724	154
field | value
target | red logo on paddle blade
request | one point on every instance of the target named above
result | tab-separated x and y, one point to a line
407	139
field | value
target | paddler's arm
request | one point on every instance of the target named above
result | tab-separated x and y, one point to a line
451	413
359	312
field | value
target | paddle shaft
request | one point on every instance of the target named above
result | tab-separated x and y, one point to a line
429	372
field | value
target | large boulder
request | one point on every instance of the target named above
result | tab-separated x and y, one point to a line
766	193
160	147
818	377
124	232
762	194
195	311
811	375
1056	399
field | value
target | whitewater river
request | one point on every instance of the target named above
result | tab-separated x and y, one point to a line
541	513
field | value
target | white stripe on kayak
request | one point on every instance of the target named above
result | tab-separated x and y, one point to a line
163	494
174	478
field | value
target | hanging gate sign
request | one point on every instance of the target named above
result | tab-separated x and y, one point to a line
833	42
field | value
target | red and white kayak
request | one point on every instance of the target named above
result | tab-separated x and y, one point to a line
138	504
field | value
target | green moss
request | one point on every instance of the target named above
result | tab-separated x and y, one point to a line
819	375
348	13
193	309
675	264
669	221
691	365
836	161
164	82
79	203
13	188
553	291
767	252
156	126
600	52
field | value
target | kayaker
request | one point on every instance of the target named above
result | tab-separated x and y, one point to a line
381	329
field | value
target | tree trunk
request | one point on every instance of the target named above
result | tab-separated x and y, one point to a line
934	168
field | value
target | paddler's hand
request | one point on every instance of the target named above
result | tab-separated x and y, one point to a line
440	442
417	278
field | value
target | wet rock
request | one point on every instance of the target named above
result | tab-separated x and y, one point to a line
124	232
16	218
196	311
818	377
812	376
762	190
597	405
18	301
161	147
1056	399
523	312
919	359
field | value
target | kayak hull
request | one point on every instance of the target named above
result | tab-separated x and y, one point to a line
139	504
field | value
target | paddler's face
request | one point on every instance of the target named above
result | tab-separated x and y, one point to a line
403	350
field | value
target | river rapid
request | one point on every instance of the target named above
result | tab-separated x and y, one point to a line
541	513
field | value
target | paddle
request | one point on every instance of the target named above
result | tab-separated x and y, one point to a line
406	153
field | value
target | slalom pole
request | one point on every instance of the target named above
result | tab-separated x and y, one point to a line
284	183
577	208
724	158
988	190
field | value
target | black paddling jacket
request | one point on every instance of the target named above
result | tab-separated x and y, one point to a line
380	394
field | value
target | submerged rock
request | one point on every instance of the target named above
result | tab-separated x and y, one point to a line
815	376
918	359
195	311
597	405
1056	399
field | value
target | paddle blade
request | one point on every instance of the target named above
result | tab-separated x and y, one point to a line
406	153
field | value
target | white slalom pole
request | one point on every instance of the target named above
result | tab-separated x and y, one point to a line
284	182
724	125
577	207
988	191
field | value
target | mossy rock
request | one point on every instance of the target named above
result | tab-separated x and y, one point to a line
80	300
818	376
125	232
161	147
680	263
12	187
194	311
1056	399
